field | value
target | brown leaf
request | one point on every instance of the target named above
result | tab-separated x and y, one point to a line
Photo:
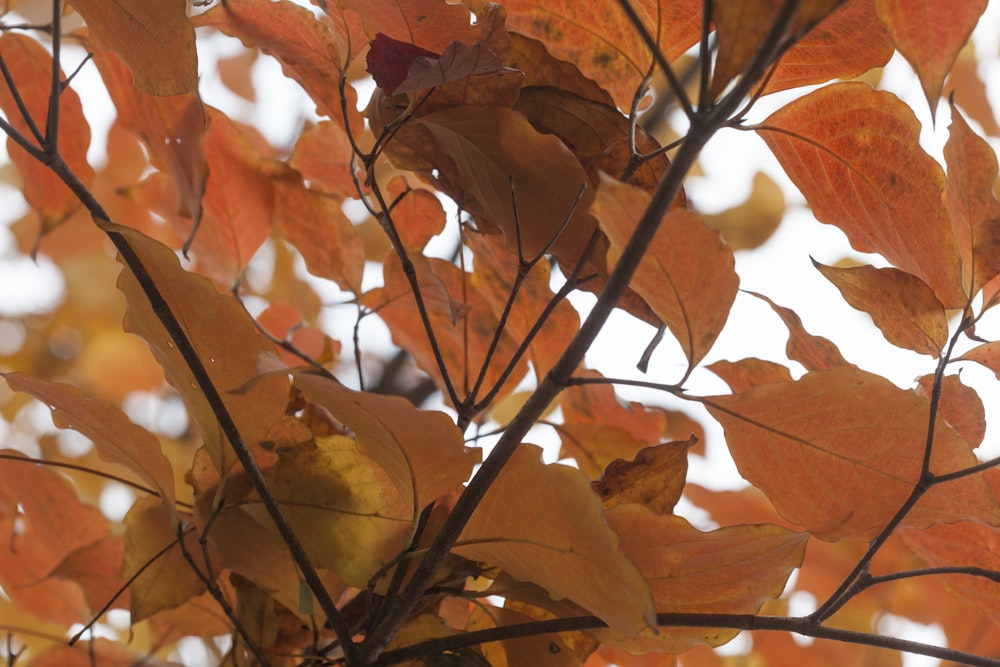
971	202
30	64
730	571
929	34
155	39
567	549
655	478
687	275
901	305
854	154
457	62
846	44
223	336
838	452
116	438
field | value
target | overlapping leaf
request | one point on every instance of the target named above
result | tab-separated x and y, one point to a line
223	336
116	438
960	405
602	42
854	154
429	24
655	478
687	275
732	570
814	352
30	65
567	549
901	305
930	33
838	452
155	39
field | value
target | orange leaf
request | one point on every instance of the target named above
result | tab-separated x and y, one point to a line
618	61
814	352
741	26
567	549
429	24
687	275
423	452
99	650
116	438
155	39
223	336
323	157
97	569
595	446
745	373
838	452
316	225
311	51
45	523
732	570
987	354
417	215
846	44
168	581
960	405
596	404
971	202
30	64
654	478
929	34
902	306
171	128
854	154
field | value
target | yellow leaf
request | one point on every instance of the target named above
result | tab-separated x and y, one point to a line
567	548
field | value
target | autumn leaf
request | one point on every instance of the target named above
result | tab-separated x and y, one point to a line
960	405
930	33
566	549
655	478
164	579
901	305
97	569
116	438
427	24
846	44
389	61
854	154
971	202
29	66
745	373
601	41
814	352
731	570
838	452
322	155
687	275
223	337
169	69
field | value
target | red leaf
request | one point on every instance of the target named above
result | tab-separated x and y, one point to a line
389	61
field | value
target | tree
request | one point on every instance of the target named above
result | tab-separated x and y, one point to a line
308	507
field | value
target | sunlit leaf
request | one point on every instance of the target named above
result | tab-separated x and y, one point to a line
169	69
30	64
730	570
930	33
116	438
223	336
742	25
838	452
901	305
566	549
687	275
854	154
846	44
